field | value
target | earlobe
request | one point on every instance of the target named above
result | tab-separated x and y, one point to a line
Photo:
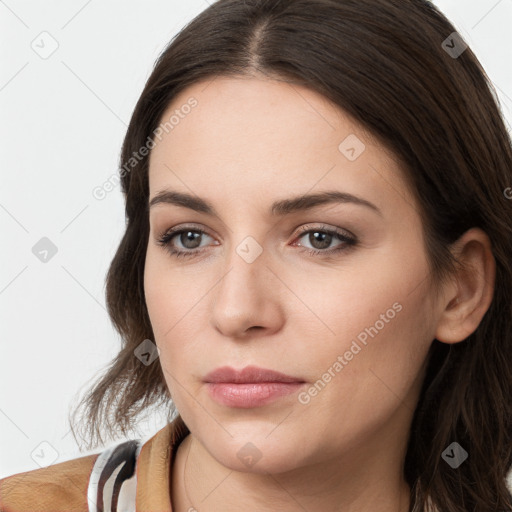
470	294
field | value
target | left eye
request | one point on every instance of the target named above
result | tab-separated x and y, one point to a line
320	238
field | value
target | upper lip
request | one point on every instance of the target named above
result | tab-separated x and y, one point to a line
247	375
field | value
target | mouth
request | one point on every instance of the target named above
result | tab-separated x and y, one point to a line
248	375
250	387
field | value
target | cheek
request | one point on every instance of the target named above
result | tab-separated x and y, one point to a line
168	292
156	290
382	349
374	333
174	303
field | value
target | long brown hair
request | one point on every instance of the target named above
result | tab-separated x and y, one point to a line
398	69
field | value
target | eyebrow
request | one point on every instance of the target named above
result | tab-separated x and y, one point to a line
279	208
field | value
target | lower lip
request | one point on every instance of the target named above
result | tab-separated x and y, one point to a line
249	395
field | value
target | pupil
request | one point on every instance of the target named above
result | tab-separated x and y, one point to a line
325	239
189	236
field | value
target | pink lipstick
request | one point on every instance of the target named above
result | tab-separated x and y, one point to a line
250	387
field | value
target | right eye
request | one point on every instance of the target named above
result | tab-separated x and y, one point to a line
188	237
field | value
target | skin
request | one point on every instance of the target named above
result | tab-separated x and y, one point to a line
249	142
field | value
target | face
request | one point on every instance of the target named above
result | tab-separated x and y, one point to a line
330	292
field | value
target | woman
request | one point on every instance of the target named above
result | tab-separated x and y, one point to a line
315	273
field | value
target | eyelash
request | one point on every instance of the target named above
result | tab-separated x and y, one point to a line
348	241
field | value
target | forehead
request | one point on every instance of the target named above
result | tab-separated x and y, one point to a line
256	136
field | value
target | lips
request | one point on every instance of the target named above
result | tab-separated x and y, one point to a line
250	387
249	374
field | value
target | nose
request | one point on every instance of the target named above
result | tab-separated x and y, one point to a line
247	300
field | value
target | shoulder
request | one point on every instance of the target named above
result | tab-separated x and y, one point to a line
60	487
83	484
102	481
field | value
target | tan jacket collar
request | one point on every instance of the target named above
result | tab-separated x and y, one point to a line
63	487
153	469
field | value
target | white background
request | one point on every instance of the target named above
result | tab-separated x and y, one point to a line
62	123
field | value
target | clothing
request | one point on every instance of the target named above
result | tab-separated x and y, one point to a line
129	477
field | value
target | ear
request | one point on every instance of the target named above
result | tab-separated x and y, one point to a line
469	295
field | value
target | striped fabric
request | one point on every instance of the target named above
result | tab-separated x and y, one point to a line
112	483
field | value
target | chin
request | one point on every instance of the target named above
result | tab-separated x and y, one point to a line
254	451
